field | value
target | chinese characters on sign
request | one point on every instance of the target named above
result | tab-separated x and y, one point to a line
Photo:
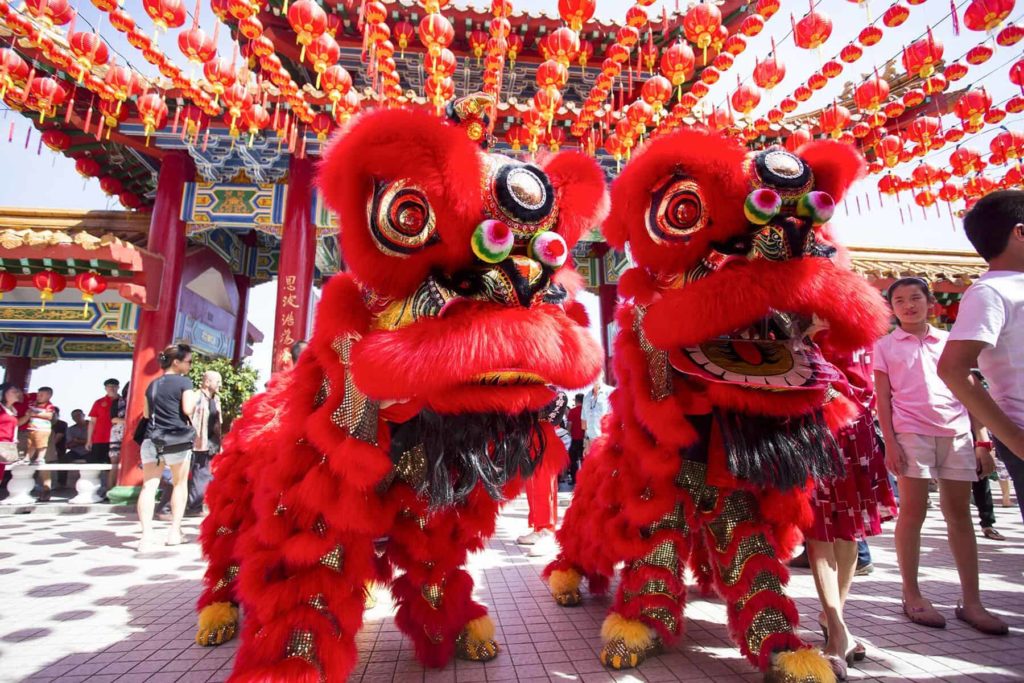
287	309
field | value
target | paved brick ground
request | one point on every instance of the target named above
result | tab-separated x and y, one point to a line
76	604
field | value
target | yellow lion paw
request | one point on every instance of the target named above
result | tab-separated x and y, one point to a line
565	587
807	665
476	642
627	642
218	623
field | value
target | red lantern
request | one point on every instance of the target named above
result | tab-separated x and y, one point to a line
56	140
436	33
166	14
50	12
515	46
308	21
869	35
894	109
734	44
1008	143
48	283
13	69
576	12
720	119
7	283
746	98
87	167
851	53
923	130
979	54
994	116
767	8
950	192
889	149
564	44
895	15
954	135
700	24
403	32
221	76
788	105
797	139
1017	74
153	112
986	15
256	118
129	200
973	105
813	29
723	61
322	53
870	94
921	56
890	184
656	91
965	161
1010	35
802	93
834	119
955	71
710	75
769	73
677	64
90	284
197	45
90	51
752	25
816	81
913	98
47	94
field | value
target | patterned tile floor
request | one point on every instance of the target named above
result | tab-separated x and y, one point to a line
76	604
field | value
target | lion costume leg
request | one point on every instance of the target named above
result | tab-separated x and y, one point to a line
434	595
751	579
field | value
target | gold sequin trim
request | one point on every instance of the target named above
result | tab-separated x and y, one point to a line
691	478
223	530
764	581
475	650
749	547
663	615
657	360
333	558
318	603
767	622
412	467
739	507
433	593
674	520
357	414
322	393
663	555
300	645
229	575
319	526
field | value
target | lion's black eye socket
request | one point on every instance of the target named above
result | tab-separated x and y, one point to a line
401	219
519	195
783	172
676	211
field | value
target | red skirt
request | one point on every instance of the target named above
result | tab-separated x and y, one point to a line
853	507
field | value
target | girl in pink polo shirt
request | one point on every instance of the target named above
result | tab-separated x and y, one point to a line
928	434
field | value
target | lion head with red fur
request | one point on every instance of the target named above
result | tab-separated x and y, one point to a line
463	261
736	275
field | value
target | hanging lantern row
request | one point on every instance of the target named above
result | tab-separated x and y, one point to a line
50	282
499	47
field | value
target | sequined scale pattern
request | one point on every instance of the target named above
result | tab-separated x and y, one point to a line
357	414
657	360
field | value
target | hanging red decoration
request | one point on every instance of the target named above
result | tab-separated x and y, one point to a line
734	44
889	149
700	23
895	15
48	283
816	81
322	53
955	71
813	29
677	63
1010	35
57	140
50	12
576	12
912	98
46	95
871	94
987	15
308	21
921	56
979	54
1008	143
13	70
923	130
656	91
87	167
851	53
769	73
950	192
197	45
90	51
90	284
802	93
436	33
166	14
153	112
7	283
894	109
767	8
994	116
710	75
797	139
973	105
1017	74
965	161
746	98
752	25
869	35
834	119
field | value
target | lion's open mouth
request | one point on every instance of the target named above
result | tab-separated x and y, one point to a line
508	378
774	354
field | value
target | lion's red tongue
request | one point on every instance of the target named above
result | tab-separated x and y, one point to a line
757	364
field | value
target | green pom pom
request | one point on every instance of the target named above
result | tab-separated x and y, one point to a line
492	241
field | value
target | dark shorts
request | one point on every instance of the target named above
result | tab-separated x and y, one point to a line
100	454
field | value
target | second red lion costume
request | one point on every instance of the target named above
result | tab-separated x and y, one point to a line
414	411
724	408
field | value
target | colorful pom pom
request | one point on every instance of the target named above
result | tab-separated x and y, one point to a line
549	248
492	241
818	207
762	205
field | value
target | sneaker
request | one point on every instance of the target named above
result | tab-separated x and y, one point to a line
544	546
528	539
864	569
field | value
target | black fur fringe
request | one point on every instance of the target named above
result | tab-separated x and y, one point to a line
462	451
780	452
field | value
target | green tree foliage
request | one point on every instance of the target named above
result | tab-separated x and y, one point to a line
239	383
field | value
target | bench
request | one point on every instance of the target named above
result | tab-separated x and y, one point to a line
19	488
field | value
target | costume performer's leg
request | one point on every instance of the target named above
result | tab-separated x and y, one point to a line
542	498
435	594
229	503
751	579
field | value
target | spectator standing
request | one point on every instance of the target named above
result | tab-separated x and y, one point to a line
542	490
207	421
78	437
595	407
39	429
170	403
58	446
928	434
576	436
10	420
989	330
97	440
118	410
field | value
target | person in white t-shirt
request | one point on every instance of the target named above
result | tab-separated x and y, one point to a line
989	330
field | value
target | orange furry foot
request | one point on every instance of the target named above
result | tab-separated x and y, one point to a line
565	587
627	643
807	665
218	623
476	642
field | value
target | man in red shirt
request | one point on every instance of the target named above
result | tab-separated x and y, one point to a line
576	433
100	421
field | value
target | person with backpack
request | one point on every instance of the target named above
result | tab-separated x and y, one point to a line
168	439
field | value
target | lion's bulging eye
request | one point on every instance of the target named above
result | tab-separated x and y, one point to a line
401	219
676	211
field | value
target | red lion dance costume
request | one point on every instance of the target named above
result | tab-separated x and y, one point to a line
724	408
413	412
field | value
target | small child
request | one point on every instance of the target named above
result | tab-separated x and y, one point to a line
40	424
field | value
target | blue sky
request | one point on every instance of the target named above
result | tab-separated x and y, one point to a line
47	180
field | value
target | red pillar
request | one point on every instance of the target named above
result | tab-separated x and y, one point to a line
18	371
242	321
295	265
607	295
156	327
